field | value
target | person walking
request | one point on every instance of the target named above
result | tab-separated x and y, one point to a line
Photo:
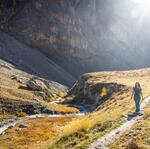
137	93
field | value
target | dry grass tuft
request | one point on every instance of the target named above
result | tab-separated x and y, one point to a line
142	131
62	108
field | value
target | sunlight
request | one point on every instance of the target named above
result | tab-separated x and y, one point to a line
142	8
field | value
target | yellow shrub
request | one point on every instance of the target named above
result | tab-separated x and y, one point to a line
62	94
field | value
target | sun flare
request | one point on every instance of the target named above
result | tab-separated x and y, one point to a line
142	7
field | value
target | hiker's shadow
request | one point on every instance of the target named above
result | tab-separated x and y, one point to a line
131	116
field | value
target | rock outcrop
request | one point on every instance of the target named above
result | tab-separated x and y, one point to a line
36	85
17	107
23	125
44	88
90	90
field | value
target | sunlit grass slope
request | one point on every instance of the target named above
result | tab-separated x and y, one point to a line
13	89
80	133
141	136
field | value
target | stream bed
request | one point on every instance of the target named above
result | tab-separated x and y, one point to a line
12	122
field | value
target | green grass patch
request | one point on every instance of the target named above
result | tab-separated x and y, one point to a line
83	138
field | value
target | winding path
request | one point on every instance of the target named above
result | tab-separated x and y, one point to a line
101	143
111	137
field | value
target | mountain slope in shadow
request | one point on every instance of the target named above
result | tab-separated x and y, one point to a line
31	60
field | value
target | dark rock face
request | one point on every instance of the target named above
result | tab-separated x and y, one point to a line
13	107
31	60
86	91
54	28
17	107
77	36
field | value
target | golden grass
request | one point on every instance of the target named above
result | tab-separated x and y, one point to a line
113	109
107	113
62	94
122	104
16	94
87	123
38	134
142	129
82	138
45	132
127	78
10	89
62	108
6	116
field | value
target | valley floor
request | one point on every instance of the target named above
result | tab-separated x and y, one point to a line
75	132
39	133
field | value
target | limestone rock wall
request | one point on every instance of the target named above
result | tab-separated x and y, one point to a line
80	35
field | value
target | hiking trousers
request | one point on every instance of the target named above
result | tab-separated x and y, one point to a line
137	100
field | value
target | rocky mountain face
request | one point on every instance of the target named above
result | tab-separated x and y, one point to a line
31	60
73	37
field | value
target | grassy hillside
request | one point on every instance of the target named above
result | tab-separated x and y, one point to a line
78	132
16	99
138	135
108	115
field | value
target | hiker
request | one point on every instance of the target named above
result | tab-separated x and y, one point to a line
137	93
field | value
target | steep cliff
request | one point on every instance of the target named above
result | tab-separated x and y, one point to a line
53	28
79	36
31	60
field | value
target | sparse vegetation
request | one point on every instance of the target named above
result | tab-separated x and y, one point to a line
93	125
84	137
62	108
62	94
141	134
39	133
14	92
73	132
5	116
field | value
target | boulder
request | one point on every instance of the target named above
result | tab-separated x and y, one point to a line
132	133
13	77
43	85
23	125
19	79
46	90
132	144
18	129
36	85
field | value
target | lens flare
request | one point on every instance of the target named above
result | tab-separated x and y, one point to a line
142	7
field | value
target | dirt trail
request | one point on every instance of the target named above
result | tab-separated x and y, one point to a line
111	137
